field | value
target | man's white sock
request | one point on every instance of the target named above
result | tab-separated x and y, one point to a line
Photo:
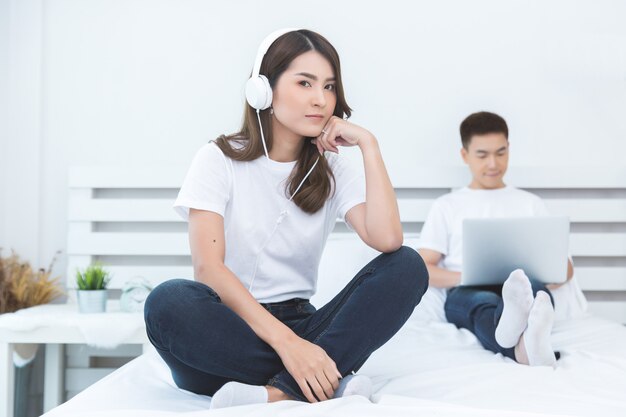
517	295
537	335
235	393
354	385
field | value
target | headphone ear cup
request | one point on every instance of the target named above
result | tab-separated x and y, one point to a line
259	92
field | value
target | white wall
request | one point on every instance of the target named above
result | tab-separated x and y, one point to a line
4	109
20	128
148	82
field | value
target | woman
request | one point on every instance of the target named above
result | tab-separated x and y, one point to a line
260	205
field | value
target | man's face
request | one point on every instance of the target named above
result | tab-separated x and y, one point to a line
488	159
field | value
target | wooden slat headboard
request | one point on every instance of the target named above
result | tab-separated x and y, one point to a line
124	218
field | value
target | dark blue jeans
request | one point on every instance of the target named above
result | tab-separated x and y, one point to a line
206	344
479	308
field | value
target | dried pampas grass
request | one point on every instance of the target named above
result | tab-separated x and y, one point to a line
21	287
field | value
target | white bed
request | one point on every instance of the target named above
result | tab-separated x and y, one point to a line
430	367
426	369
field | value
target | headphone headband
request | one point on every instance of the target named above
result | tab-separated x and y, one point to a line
264	46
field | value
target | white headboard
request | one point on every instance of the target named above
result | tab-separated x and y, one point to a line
123	217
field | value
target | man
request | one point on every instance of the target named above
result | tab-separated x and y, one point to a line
514	319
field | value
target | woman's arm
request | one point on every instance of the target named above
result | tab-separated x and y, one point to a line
307	363
377	221
207	242
439	277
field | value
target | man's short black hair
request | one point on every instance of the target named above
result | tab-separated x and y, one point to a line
482	123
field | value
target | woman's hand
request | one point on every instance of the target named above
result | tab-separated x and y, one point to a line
310	366
339	132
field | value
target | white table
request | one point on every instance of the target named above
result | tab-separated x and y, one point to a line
56	326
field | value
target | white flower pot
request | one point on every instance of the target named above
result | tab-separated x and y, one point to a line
92	301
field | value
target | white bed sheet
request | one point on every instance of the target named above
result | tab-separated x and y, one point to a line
428	368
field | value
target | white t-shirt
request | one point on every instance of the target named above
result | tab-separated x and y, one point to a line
250	196
443	229
443	232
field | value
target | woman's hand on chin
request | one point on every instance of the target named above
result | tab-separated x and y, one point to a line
338	132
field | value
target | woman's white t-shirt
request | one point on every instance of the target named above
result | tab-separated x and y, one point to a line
251	196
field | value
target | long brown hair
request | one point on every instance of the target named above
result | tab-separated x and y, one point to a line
318	186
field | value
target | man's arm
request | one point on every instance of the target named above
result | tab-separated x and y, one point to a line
439	277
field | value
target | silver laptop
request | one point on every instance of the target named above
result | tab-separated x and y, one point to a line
493	248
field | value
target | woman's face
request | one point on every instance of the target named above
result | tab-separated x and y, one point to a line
304	96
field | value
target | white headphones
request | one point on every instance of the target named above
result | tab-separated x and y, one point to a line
258	90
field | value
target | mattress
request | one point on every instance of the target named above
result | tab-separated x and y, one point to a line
428	368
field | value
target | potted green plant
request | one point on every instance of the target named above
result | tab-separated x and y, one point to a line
92	288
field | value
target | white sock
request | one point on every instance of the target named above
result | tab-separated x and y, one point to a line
235	393
517	295
537	335
354	385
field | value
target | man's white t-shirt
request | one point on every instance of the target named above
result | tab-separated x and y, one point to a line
443	231
251	196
